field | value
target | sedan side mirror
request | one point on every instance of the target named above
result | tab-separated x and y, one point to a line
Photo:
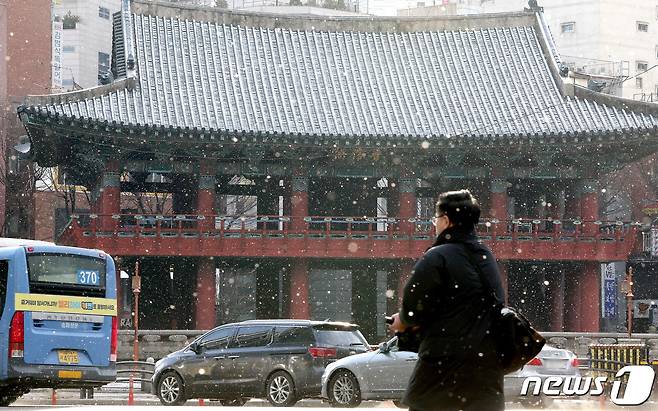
384	348
195	347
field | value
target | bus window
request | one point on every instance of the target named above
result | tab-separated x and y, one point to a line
4	269
66	274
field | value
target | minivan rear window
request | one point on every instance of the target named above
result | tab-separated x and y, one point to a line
339	338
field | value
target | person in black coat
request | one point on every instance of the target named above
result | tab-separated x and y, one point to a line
444	298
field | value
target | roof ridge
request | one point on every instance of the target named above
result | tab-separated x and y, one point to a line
241	27
359	22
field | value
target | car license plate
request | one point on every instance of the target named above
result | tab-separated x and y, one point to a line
70	374
556	364
68	357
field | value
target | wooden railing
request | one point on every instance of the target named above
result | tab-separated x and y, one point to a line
179	224
339	237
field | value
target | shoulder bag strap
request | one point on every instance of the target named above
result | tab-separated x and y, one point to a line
488	289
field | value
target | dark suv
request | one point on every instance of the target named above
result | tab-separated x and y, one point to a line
281	360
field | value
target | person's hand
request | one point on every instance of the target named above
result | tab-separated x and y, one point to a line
397	325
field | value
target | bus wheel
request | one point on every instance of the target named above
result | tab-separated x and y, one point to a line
170	389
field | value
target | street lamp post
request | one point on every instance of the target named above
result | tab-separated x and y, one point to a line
629	301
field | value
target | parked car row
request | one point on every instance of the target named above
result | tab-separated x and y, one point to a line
284	361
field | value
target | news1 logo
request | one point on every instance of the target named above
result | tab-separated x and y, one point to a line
637	388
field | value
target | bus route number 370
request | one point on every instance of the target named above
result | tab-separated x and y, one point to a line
89	277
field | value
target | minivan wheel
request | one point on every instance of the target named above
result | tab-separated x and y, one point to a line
170	389
280	390
233	402
344	390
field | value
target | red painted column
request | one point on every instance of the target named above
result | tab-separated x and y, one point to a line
499	199
299	203
499	210
572	300
206	287
406	268
504	278
589	203
109	202
299	279
206	196
408	207
557	302
590	298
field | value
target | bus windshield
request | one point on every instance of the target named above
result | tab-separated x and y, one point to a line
57	273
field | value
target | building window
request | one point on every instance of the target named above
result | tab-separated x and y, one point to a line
103	13
641	65
568	27
103	64
642	26
68	49
638	82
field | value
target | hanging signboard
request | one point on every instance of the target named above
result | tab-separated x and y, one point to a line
58	33
608	290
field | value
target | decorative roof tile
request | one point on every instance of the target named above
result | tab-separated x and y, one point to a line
479	82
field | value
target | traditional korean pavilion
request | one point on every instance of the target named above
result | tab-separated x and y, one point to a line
303	156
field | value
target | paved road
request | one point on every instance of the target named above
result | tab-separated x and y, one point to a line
109	399
249	407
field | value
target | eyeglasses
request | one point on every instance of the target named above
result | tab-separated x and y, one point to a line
435	219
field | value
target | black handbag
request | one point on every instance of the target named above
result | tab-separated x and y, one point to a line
517	342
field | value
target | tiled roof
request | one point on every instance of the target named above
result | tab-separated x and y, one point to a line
479	82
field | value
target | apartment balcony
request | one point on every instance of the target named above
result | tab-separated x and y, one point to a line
340	237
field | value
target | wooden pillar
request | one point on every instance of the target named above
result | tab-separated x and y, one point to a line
299	282
590	299
556	297
299	203
206	195
206	287
499	199
572	299
589	203
109	202
407	208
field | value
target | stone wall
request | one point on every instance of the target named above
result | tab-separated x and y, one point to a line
158	343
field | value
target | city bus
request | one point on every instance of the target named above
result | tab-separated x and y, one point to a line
58	319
